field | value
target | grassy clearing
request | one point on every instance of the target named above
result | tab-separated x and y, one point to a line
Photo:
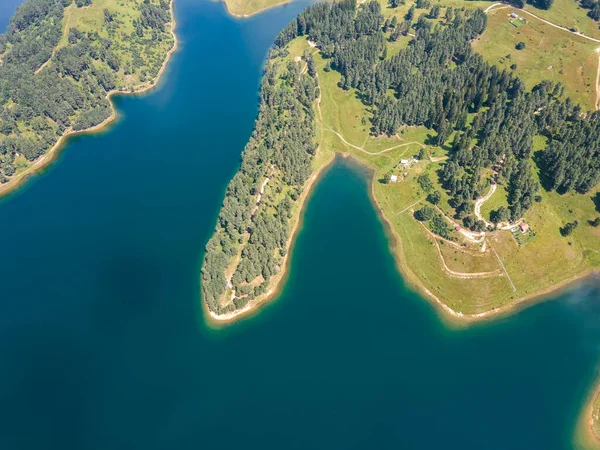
497	200
569	14
549	54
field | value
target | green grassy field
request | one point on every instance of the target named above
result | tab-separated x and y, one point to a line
549	54
569	14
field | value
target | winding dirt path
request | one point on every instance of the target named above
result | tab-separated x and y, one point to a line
328	128
576	33
453	273
475	237
493	7
503	5
481	201
238	257
360	149
64	34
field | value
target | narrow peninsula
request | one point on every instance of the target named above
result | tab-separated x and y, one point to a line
483	143
60	61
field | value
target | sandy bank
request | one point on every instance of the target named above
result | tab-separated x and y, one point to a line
585	437
258	11
50	155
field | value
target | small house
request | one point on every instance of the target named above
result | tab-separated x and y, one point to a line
514	15
404	162
524	227
394	178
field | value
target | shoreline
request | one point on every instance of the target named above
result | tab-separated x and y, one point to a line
219	320
246	16
449	315
455	317
52	153
584	431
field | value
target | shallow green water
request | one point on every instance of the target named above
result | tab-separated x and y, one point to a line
102	339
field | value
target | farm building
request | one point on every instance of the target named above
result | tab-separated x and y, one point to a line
408	162
394	178
524	227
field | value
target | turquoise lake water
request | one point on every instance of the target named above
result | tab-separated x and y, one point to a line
102	340
7	9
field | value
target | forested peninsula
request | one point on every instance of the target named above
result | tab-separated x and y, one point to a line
59	62
440	126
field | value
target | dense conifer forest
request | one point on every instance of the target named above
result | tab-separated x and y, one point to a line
280	151
49	87
483	116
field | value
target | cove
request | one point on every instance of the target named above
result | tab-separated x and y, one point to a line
102	338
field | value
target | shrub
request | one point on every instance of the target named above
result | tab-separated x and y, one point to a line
434	198
424	214
568	228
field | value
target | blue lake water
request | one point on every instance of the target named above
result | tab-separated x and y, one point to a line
7	9
103	344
